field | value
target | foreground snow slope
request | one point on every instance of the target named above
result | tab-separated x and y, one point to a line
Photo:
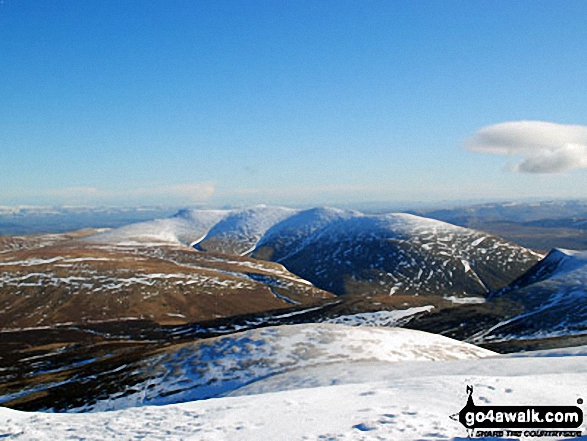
380	401
218	366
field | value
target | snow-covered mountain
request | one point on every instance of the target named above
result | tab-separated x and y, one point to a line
545	307
240	231
348	251
395	253
187	226
553	294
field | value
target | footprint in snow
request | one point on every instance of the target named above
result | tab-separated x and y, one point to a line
363	427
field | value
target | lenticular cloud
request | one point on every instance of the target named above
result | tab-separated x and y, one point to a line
544	146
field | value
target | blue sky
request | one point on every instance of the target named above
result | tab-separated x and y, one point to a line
292	102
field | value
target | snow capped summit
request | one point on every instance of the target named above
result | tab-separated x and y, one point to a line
240	230
349	252
187	226
556	263
297	231
567	260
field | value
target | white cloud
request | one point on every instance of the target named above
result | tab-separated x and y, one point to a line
545	147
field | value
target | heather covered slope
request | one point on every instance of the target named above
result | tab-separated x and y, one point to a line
63	280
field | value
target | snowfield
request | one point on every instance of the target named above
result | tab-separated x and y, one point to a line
358	396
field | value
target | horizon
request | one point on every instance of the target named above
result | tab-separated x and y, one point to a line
374	205
304	104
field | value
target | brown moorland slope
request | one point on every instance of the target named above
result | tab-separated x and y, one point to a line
51	279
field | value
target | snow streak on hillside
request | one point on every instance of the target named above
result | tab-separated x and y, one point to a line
397	317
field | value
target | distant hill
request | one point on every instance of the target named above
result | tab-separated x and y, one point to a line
538	225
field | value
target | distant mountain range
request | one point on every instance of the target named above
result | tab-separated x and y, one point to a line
510	211
539	225
347	252
200	265
26	220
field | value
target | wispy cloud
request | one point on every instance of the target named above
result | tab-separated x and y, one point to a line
544	147
183	193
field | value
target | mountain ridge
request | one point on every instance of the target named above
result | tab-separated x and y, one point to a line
346	251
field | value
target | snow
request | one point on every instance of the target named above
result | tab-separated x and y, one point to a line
246	227
466	300
185	227
574	253
478	241
294	229
380	318
31	262
358	400
565	261
283	298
